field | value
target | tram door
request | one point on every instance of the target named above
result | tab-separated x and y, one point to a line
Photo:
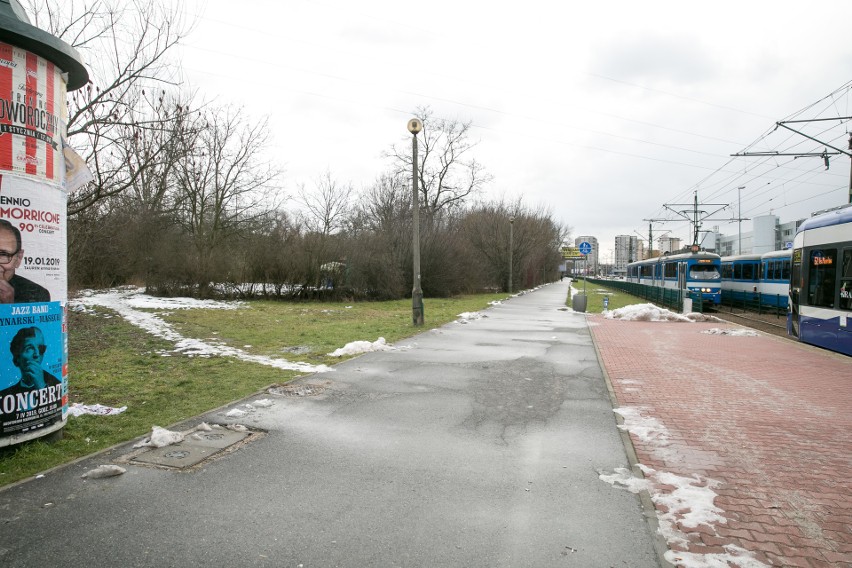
681	275
796	284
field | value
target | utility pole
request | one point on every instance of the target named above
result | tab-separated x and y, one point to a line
651	233
692	215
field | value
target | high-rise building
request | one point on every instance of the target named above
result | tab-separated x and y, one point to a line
669	244
627	250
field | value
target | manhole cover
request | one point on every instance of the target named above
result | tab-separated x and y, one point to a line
178	455
297	390
194	449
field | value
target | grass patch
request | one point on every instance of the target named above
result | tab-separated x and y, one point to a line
596	293
117	364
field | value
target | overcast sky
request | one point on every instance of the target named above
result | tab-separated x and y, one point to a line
600	111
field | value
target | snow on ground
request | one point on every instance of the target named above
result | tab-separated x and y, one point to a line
650	312
358	347
682	502
466	317
78	409
738	332
128	302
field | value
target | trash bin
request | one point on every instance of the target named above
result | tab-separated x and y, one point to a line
578	303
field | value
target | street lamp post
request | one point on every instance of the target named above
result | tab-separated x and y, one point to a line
415	126
511	247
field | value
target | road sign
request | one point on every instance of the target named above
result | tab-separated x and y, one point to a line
585	248
571	253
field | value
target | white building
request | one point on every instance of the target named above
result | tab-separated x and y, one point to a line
767	235
627	249
669	244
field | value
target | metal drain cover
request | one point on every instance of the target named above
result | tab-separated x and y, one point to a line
194	449
297	390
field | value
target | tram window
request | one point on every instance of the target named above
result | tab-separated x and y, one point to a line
703	272
727	271
765	270
785	270
738	271
822	270
748	272
671	270
846	281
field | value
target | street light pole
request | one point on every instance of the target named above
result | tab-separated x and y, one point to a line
511	248
415	126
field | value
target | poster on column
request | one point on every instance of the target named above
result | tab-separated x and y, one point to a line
32	115
33	286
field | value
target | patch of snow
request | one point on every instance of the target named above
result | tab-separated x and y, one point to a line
236	413
128	301
358	347
737	332
734	556
264	403
103	471
78	409
466	317
622	477
159	438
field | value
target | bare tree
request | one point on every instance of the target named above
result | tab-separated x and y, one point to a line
327	206
126	47
535	242
225	184
448	173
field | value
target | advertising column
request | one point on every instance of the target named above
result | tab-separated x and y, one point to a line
33	251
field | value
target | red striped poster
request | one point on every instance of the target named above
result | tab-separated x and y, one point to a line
32	93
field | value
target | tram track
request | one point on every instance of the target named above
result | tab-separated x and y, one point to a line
767	323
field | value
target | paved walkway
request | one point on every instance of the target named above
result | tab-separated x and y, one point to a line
478	445
765	422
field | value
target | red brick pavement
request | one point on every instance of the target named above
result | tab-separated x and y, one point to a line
768	418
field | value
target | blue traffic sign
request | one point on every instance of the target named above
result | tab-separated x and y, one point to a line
585	247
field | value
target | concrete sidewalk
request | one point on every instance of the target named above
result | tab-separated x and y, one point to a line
764	421
475	445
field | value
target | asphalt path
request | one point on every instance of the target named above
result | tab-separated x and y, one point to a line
475	445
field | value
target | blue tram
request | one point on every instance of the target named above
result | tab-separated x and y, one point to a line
821	281
694	272
761	279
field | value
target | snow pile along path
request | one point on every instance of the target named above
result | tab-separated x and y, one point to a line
358	347
129	301
650	312
466	317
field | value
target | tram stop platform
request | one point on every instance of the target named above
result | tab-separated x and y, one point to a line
756	427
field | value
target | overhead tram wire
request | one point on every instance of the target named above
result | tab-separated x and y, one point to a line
831	98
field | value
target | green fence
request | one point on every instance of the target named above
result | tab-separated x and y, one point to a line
753	302
668	297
